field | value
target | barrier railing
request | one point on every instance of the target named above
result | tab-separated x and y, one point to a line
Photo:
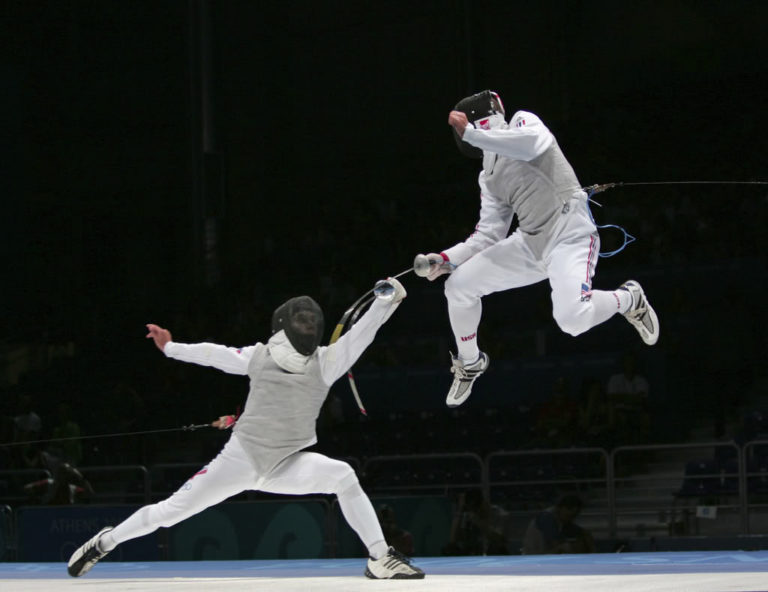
12	482
7	534
119	483
424	472
693	481
698	488
522	481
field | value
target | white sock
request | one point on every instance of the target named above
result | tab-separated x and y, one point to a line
625	300
464	323
378	550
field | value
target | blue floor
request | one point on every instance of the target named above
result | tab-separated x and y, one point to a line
550	565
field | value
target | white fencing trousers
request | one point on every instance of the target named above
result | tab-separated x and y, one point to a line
231	473
568	262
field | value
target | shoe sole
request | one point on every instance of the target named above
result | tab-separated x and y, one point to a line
647	337
76	567
399	576
650	338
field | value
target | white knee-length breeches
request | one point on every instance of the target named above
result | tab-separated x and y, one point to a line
231	473
568	261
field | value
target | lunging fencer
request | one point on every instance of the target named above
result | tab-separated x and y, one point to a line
290	376
524	174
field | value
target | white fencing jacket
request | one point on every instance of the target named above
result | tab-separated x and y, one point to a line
525	174
287	389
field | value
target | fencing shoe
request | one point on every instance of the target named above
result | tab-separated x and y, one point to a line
392	566
84	558
464	375
640	314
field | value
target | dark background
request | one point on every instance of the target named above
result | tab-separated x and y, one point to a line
194	163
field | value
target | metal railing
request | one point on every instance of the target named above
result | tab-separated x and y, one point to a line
424	472
667	500
623	494
12	482
119	483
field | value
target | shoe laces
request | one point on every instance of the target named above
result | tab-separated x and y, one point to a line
640	309
461	371
394	553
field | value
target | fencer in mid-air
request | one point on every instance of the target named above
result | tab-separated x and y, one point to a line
290	376
524	174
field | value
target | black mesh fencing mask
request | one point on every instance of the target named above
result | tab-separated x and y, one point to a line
302	320
479	109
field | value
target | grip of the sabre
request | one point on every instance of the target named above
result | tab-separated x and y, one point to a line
422	264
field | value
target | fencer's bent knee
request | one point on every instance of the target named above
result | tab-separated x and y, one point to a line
573	318
458	292
347	478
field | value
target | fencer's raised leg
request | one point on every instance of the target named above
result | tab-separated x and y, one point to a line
576	306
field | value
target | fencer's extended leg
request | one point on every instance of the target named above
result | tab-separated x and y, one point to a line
228	474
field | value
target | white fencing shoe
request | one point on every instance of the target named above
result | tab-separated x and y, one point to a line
641	315
85	557
392	566
463	378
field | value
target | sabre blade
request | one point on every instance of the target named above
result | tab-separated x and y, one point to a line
353	386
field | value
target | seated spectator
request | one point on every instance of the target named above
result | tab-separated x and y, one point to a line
557	418
554	531
628	402
478	528
595	427
399	538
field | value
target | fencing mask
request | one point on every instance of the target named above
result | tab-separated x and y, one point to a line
484	110
302	320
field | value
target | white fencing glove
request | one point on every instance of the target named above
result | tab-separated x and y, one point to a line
437	266
389	290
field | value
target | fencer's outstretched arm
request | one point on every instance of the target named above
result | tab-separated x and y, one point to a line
231	360
337	358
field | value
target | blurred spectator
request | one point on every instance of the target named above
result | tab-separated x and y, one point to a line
554	531
65	486
478	528
595	425
400	539
66	435
628	402
26	428
557	418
